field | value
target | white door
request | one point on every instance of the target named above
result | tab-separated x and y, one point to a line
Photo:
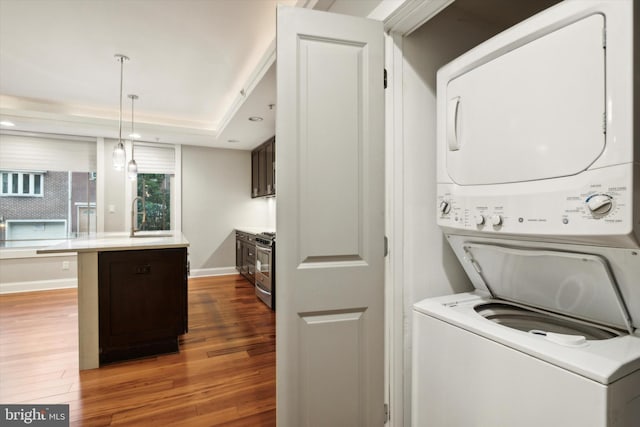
330	220
86	219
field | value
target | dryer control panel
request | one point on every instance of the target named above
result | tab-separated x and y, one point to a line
596	204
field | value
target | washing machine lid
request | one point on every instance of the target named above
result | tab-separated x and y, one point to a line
575	284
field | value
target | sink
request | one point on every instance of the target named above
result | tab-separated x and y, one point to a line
148	234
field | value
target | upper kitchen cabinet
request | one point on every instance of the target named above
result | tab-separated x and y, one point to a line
263	169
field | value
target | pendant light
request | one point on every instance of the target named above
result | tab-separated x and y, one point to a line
132	166
119	156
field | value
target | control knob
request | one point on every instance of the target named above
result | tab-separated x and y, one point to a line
496	220
479	219
600	204
445	207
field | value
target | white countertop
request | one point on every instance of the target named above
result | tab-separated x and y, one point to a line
120	241
256	230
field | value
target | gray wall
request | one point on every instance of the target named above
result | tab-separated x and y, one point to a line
29	272
23	270
431	268
114	186
216	198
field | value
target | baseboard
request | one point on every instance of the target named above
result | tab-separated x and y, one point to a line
43	285
219	271
37	285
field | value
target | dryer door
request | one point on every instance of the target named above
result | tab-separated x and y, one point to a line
534	112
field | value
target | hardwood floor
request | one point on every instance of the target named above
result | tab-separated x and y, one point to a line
223	375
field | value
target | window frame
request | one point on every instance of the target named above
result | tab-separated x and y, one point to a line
131	188
20	183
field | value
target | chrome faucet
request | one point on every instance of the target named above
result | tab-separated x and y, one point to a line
133	217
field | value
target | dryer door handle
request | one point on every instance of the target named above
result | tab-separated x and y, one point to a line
453	124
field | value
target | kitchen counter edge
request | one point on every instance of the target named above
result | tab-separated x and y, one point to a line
117	242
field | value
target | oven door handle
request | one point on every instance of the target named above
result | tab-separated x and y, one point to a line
263	248
259	288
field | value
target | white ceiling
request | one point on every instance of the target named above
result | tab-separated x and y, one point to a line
190	60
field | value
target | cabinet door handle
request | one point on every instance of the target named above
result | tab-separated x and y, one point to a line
143	269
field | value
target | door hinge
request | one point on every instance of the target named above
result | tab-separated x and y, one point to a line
604	38
604	122
387	413
386	246
385	78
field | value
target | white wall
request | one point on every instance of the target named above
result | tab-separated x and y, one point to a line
216	198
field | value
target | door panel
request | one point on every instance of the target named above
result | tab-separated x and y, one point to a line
330	155
255	174
330	220
333	344
262	171
269	167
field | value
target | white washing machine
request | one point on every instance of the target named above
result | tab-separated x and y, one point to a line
539	197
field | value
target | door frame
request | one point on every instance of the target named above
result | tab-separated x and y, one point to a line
398	23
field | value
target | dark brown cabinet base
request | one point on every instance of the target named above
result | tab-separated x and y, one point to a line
246	255
142	302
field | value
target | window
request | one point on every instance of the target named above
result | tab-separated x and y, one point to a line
27	184
157	207
32	216
155	191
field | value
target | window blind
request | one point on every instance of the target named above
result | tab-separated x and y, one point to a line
29	153
155	158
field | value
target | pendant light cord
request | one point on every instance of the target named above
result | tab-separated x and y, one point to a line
121	77
119	154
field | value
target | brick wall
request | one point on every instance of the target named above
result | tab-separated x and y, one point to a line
53	204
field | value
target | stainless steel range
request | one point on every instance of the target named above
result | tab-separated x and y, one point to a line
265	268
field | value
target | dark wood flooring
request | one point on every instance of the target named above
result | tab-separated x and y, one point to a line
223	375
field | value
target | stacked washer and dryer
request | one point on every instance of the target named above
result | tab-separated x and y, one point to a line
539	197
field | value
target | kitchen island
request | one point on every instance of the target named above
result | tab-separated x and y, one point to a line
132	298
